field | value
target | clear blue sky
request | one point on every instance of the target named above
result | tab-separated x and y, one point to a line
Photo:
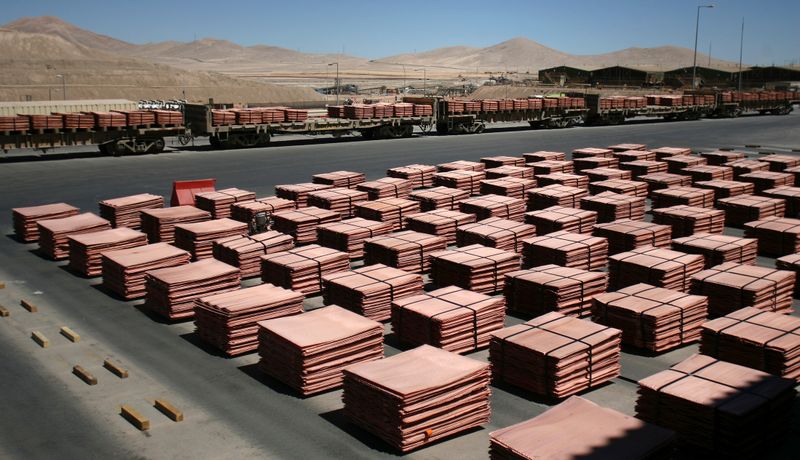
377	29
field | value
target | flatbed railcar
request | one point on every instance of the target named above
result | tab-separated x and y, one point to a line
110	140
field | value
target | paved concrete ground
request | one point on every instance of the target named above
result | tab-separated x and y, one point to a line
232	411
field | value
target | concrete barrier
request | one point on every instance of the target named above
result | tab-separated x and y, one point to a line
134	417
115	369
39	338
71	335
28	306
84	375
169	410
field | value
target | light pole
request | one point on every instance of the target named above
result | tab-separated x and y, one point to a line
63	85
741	47
424	80
696	33
337	80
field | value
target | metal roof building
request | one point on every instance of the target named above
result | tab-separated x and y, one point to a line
627	76
563	75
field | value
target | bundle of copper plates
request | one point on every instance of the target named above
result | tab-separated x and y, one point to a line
547	288
75	120
301	269
308	352
341	200
619	186
626	234
650	317
720	157
419	175
592	152
440	222
159	224
543	155
664	152
635	155
171	291
555	195
358	111
731	286
417	397
54	233
757	339
391	210
746	167
85	248
477	268
45	121
776	236
386	187
658	181
124	211
229	321
555	355
790	262
246	212
594	162
222	117
603	433
495	232
746	208
719	409
611	206
677	164
513	187
576	250
763	180
509	171
688	220
26	219
349	235
551	166
600	174
790	195
439	198
124	270
299	192
627	146
139	117
370	290
302	223
461	164
689	196
109	119
726	188
779	163
558	178
407	250
469	181
168	117
347	179
645	168
296	115
219	203
486	206
197	238
656	266
502	160
718	249
557	218
795	171
245	251
403	109
449	318
706	173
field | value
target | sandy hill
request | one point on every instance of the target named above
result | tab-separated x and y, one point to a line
31	61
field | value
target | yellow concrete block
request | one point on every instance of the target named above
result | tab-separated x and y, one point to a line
39	338
71	335
84	375
134	417
115	369
169	410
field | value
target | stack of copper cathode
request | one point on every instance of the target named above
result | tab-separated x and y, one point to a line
26	219
496	233
370	290
229	321
440	222
557	218
124	269
386	187
219	203
159	224
547	288
487	206
657	266
718	249
469	181
450	318
85	249
349	235
299	192
302	223
731	286
245	251
566	249
246	212
419	175
625	235
54	233
198	238
301	269
341	200
407	250
439	198
345	179
391	210
124	211
475	267
650	317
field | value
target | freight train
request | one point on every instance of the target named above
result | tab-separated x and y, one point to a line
255	126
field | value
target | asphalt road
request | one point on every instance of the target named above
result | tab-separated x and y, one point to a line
232	411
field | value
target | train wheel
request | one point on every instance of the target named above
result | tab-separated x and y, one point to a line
158	146
442	128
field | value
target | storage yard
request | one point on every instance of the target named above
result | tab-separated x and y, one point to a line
69	339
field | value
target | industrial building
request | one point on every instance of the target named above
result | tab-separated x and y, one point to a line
565	75
707	77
